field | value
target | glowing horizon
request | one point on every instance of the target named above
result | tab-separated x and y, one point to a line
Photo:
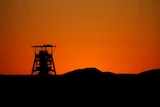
117	36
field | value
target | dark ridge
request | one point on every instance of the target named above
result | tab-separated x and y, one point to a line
153	72
82	87
88	71
85	73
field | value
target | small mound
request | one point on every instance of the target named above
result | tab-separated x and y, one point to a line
153	72
86	71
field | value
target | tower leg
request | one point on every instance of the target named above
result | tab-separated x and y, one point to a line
54	66
33	65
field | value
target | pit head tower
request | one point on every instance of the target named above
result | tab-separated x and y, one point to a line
43	62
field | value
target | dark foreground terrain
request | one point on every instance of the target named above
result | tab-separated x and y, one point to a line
83	87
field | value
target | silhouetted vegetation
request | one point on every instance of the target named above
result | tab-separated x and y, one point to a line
83	87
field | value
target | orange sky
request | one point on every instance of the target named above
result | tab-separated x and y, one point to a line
121	36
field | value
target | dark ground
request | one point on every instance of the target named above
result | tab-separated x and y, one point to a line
85	87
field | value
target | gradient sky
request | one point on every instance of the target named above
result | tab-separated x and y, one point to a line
121	36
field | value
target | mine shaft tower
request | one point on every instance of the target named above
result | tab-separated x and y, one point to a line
43	62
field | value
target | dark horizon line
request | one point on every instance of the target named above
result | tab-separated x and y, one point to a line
149	70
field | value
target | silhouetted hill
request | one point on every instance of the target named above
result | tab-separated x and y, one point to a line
153	72
83	87
86	71
87	74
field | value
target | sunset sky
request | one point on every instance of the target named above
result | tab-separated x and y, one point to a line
121	36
